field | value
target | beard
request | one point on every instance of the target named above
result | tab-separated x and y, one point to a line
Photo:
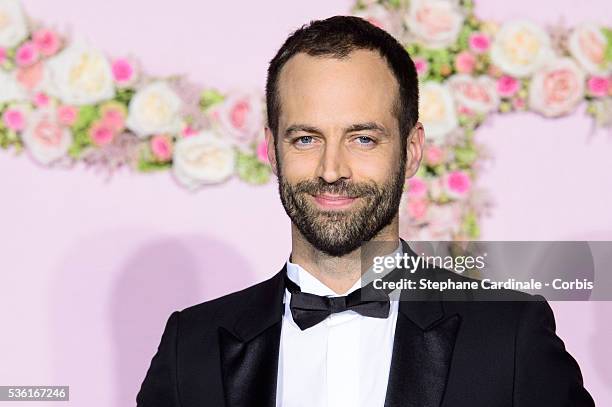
339	232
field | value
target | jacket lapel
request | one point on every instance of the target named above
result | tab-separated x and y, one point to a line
422	352
249	349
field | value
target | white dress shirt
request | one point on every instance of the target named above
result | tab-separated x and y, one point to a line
341	361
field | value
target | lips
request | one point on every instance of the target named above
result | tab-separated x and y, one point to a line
334	201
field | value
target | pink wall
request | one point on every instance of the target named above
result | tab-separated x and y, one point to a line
92	269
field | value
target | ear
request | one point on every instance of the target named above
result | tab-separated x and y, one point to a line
414	149
271	149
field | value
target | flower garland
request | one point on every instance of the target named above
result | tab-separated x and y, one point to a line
470	69
63	101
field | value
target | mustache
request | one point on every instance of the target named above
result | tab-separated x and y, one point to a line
340	187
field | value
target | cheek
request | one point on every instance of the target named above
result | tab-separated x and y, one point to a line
377	171
377	166
297	166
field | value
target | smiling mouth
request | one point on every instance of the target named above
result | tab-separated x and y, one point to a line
334	201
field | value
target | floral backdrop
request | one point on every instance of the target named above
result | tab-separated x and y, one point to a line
63	101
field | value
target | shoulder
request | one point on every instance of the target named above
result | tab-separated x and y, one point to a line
461	287
470	297
224	309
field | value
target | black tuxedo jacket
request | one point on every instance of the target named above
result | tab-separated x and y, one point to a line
224	352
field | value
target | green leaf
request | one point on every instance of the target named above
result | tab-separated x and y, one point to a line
465	156
470	225
251	170
147	161
80	142
152	166
86	116
80	129
210	97
8	138
464	37
607	32
124	95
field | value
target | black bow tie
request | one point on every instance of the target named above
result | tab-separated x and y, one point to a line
310	309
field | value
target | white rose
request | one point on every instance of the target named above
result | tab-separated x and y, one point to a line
154	109
45	139
520	48
79	75
10	89
477	94
382	17
557	88
203	159
435	23
240	116
437	111
587	44
13	27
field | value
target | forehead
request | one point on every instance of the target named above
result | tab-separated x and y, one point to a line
323	90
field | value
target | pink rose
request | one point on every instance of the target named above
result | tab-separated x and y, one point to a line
101	134
113	116
161	147
41	99
421	66
189	131
519	103
417	188
27	54
239	112
262	152
507	86
47	42
381	17
45	140
123	71
465	111
66	115
587	44
417	208
2	55
240	116
474	94
114	119
465	62
14	119
435	24
30	76
479	42
598	85
434	155
457	183
557	88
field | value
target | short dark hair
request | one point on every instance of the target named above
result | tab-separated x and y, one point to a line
337	37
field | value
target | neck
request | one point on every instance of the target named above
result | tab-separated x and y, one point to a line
337	273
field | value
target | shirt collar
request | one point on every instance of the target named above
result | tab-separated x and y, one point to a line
310	284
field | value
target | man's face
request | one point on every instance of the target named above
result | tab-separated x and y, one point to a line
338	156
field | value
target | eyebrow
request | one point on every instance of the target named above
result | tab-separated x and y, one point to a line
350	129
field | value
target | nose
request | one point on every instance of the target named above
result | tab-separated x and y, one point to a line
333	164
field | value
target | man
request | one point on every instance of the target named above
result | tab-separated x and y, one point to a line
343	137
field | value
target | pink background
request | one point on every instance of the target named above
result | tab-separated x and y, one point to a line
92	269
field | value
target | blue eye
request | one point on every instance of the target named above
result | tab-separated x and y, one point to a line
365	140
304	140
